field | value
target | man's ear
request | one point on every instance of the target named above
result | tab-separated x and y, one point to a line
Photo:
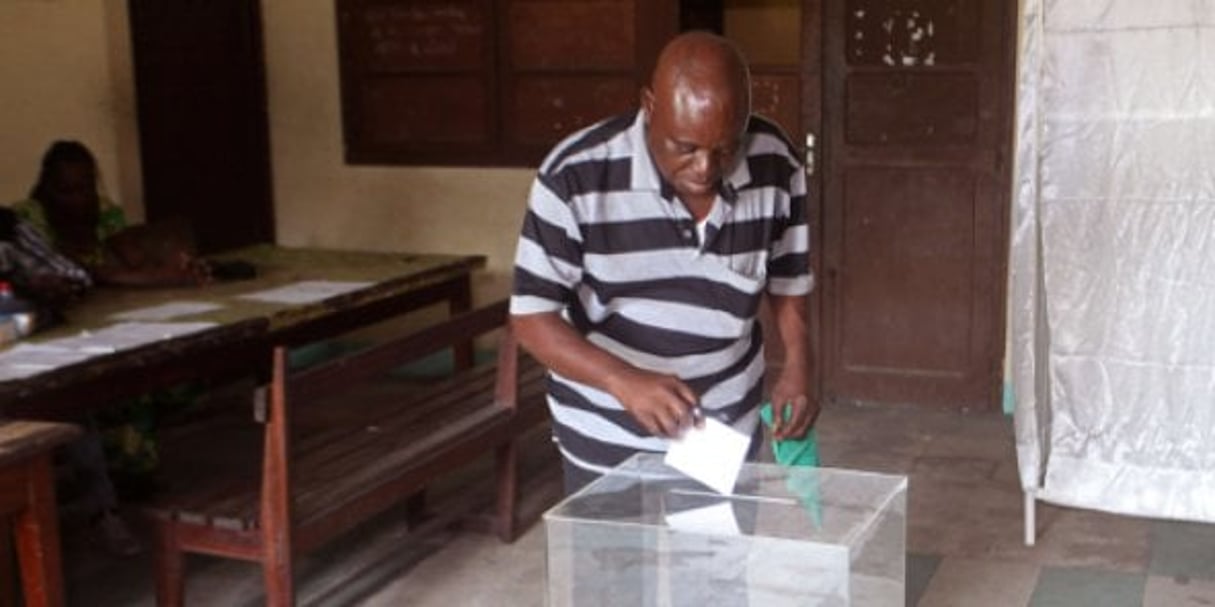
647	102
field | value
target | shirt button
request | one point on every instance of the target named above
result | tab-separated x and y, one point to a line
687	234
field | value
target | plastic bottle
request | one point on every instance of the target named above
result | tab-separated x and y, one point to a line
16	315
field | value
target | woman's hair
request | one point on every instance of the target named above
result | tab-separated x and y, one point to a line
60	153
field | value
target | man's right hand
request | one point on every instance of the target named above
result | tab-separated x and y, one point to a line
662	404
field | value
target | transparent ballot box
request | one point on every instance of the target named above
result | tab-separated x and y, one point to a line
645	534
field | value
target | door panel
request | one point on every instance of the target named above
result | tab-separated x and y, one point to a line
909	267
916	125
203	129
916	109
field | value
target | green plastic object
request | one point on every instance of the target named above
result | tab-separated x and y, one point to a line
793	452
801	452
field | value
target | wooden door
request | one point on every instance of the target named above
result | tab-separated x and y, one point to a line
204	139
916	101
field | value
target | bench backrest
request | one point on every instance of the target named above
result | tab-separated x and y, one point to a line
287	389
335	375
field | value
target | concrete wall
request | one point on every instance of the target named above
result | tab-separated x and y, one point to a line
67	73
768	31
68	62
321	201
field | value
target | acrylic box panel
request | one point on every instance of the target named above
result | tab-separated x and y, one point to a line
644	534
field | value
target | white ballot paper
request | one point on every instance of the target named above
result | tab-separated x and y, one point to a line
717	519
712	455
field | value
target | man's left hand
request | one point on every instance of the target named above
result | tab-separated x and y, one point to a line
792	394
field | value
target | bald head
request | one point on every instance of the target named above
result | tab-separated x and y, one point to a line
696	110
698	70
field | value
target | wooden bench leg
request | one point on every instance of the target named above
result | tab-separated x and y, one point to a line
276	501
38	538
170	563
280	591
506	471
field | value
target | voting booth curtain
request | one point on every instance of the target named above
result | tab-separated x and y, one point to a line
1111	334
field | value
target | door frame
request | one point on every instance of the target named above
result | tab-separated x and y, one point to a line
157	121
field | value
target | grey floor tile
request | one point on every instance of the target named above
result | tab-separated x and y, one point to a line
1183	550
1070	587
456	575
964	506
964	582
920	569
1084	539
1178	592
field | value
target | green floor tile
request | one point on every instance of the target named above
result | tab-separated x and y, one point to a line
1183	550
1074	587
920	569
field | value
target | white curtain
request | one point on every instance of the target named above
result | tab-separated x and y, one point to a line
1112	267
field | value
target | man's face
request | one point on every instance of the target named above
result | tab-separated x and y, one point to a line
693	137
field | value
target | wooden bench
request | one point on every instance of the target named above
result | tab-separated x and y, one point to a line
359	456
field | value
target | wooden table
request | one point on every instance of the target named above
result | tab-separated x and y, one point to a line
27	499
246	330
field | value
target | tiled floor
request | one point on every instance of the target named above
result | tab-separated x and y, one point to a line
964	538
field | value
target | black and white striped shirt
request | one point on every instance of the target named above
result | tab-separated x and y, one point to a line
606	243
27	255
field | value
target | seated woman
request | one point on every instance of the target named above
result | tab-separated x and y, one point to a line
67	209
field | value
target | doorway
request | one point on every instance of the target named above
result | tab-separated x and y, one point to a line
203	128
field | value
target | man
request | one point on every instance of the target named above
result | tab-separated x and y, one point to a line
649	242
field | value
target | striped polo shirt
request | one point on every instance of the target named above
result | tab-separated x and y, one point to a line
606	243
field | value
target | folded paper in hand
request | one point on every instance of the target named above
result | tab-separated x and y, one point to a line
712	455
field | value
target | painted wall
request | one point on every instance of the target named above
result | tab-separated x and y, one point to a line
767	31
321	201
84	90
67	73
69	62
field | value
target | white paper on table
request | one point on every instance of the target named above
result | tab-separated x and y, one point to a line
41	355
127	335
8	373
26	359
308	291
717	519
168	311
712	455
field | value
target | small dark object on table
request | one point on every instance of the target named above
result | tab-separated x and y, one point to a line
231	270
